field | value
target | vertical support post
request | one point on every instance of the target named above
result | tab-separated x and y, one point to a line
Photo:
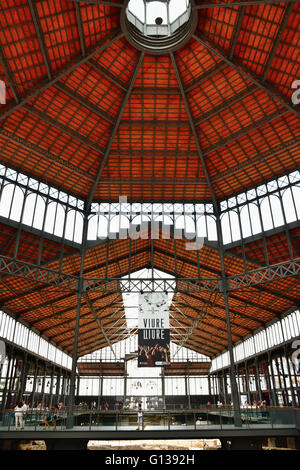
78	387
80	291
125	382
23	377
214	388
4	395
12	384
54	387
257	379
279	377
234	391
275	398
290	376
13	365
57	390
187	390
63	388
101	387
51	387
99	391
238	380
220	386
209	387
225	390
163	387
295	377
34	381
268	381
286	398
43	385
247	383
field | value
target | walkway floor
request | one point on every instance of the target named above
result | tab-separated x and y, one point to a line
154	428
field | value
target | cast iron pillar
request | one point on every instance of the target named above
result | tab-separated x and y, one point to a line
233	385
80	291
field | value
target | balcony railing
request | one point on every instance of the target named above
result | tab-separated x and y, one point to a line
171	420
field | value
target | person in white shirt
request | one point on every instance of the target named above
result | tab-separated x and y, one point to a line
139	417
25	407
19	413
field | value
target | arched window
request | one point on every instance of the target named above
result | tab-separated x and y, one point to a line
11	202
39	213
29	209
289	205
74	226
167	220
92	228
55	219
225	224
211	228
50	217
6	198
245	221
78	228
296	194
201	226
234	225
189	225
17	204
117	223
137	219
59	221
70	225
34	211
254	217
266	214
185	223
102	227
276	210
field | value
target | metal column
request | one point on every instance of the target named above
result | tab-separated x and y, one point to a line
80	291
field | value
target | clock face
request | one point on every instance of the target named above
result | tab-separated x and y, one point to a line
154	303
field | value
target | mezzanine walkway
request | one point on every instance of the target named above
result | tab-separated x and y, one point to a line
171	424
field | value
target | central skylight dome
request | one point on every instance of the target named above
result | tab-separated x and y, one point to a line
158	26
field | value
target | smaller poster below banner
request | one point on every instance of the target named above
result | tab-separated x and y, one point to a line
153	330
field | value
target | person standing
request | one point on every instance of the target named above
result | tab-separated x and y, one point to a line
46	417
19	416
25	409
139	417
55	417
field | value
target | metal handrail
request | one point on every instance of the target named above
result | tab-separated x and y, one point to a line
269	416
